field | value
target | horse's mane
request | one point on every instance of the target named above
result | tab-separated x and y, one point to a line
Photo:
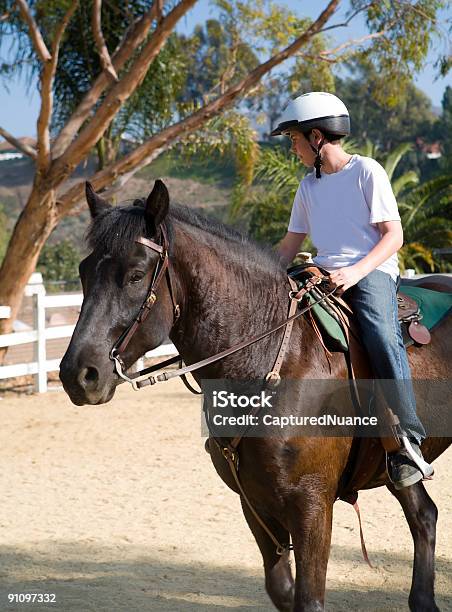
116	228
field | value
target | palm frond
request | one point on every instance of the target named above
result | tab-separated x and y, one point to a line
366	149
435	232
283	172
427	195
408	179
413	255
393	158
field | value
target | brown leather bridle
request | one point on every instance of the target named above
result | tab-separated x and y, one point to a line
161	270
144	377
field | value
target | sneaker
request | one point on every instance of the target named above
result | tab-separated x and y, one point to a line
403	471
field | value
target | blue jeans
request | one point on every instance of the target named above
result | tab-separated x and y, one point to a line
374	301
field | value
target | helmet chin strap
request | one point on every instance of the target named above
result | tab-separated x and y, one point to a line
318	159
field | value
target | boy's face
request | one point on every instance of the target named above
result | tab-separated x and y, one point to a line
301	147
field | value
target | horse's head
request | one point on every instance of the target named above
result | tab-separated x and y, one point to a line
116	278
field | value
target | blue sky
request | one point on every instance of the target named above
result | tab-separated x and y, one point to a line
19	108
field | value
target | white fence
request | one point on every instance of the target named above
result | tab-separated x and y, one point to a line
40	366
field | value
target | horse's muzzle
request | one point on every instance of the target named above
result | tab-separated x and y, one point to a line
86	384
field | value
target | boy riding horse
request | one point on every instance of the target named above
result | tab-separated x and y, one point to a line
348	208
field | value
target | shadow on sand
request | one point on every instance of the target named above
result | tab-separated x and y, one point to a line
88	577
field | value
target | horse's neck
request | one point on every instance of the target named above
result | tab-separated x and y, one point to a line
225	300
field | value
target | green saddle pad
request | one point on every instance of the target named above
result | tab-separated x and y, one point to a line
329	326
434	305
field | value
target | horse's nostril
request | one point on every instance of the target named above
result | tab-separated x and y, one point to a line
91	374
88	377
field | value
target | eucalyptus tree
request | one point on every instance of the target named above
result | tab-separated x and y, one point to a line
398	38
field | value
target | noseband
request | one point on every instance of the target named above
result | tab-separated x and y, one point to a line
160	271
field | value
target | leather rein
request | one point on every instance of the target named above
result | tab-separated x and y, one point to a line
144	377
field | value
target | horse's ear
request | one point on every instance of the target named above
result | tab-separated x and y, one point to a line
157	205
95	202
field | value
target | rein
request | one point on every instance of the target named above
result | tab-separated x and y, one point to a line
144	377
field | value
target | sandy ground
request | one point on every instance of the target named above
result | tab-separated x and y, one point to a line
118	507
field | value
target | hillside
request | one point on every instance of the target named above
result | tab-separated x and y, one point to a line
203	185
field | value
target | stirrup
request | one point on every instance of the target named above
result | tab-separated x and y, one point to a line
424	467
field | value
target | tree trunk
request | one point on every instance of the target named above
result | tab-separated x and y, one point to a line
31	231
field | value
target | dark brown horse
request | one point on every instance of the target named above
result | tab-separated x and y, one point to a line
229	289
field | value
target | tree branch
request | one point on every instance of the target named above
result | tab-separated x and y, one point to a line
20	146
159	9
99	39
124	178
323	55
35	32
355	41
345	23
47	77
131	42
161	141
116	97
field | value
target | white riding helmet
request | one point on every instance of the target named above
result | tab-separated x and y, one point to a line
316	109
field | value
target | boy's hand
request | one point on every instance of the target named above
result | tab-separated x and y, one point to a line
347	277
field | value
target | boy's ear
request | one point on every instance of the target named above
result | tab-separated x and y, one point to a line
95	202
316	136
157	205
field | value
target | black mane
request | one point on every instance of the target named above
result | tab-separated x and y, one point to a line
114	229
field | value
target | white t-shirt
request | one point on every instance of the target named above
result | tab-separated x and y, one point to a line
340	211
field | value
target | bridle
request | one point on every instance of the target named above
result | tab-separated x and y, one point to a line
162	269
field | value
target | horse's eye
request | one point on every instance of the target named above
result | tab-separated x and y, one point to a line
136	277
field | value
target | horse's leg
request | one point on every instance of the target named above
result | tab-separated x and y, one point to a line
421	514
278	577
311	535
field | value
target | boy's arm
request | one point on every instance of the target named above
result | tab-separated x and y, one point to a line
390	242
290	245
